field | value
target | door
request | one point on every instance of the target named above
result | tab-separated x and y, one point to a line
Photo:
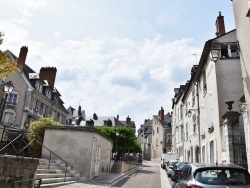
97	160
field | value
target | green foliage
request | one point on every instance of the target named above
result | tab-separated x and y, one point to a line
126	140
7	67
37	129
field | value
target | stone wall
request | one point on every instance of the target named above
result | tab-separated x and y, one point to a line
14	168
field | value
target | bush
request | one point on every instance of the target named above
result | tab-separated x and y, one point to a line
37	129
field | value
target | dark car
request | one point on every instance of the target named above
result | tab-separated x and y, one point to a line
169	168
213	176
177	170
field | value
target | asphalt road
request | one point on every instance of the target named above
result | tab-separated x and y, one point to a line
147	177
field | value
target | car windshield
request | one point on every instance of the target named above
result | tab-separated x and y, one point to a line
181	165
223	176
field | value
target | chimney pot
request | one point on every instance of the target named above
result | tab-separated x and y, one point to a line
49	74
220	26
22	57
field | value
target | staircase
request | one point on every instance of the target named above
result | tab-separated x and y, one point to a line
116	168
55	175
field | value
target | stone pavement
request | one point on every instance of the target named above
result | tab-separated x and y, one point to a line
108	179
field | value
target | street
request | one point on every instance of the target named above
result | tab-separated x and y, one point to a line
151	175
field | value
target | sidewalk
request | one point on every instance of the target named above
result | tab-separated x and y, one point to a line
105	180
108	179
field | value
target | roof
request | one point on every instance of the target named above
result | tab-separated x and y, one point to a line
202	62
27	70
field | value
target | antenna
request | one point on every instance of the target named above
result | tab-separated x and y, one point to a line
195	57
79	101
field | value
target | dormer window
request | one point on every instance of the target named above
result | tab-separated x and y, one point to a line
48	94
39	87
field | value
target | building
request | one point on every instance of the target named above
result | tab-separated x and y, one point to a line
79	118
178	135
145	138
86	149
213	127
161	134
242	14
34	95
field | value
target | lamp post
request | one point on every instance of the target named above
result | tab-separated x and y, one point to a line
8	87
117	134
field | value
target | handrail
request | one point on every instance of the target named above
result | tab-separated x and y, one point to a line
10	143
66	163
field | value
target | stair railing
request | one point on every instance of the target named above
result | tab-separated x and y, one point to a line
51	152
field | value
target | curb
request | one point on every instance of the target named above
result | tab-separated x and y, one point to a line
125	174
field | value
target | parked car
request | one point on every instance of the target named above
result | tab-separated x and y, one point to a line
177	170
170	167
213	176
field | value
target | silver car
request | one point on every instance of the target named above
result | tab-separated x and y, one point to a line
200	175
169	167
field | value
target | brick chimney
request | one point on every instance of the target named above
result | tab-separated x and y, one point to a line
79	110
22	57
161	114
220	26
49	74
117	117
128	121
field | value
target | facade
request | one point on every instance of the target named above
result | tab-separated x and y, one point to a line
214	131
178	135
86	149
242	14
161	134
34	95
145	139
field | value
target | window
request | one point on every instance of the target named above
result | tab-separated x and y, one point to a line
169	137
157	129
187	131
12	99
181	111
36	105
48	94
212	151
204	82
39	87
156	141
194	123
8	117
193	97
229	50
210	110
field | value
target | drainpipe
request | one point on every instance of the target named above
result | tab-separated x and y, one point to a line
199	129
91	164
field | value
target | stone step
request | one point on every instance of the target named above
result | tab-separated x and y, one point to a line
48	171
58	180
46	167
50	185
53	175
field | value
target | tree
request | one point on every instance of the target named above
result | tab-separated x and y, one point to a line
37	128
126	141
7	66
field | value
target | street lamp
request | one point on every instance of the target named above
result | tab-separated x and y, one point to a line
8	87
215	52
117	134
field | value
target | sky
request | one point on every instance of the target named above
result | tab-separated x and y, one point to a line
114	56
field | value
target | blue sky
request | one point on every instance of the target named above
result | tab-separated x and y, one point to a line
117	56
